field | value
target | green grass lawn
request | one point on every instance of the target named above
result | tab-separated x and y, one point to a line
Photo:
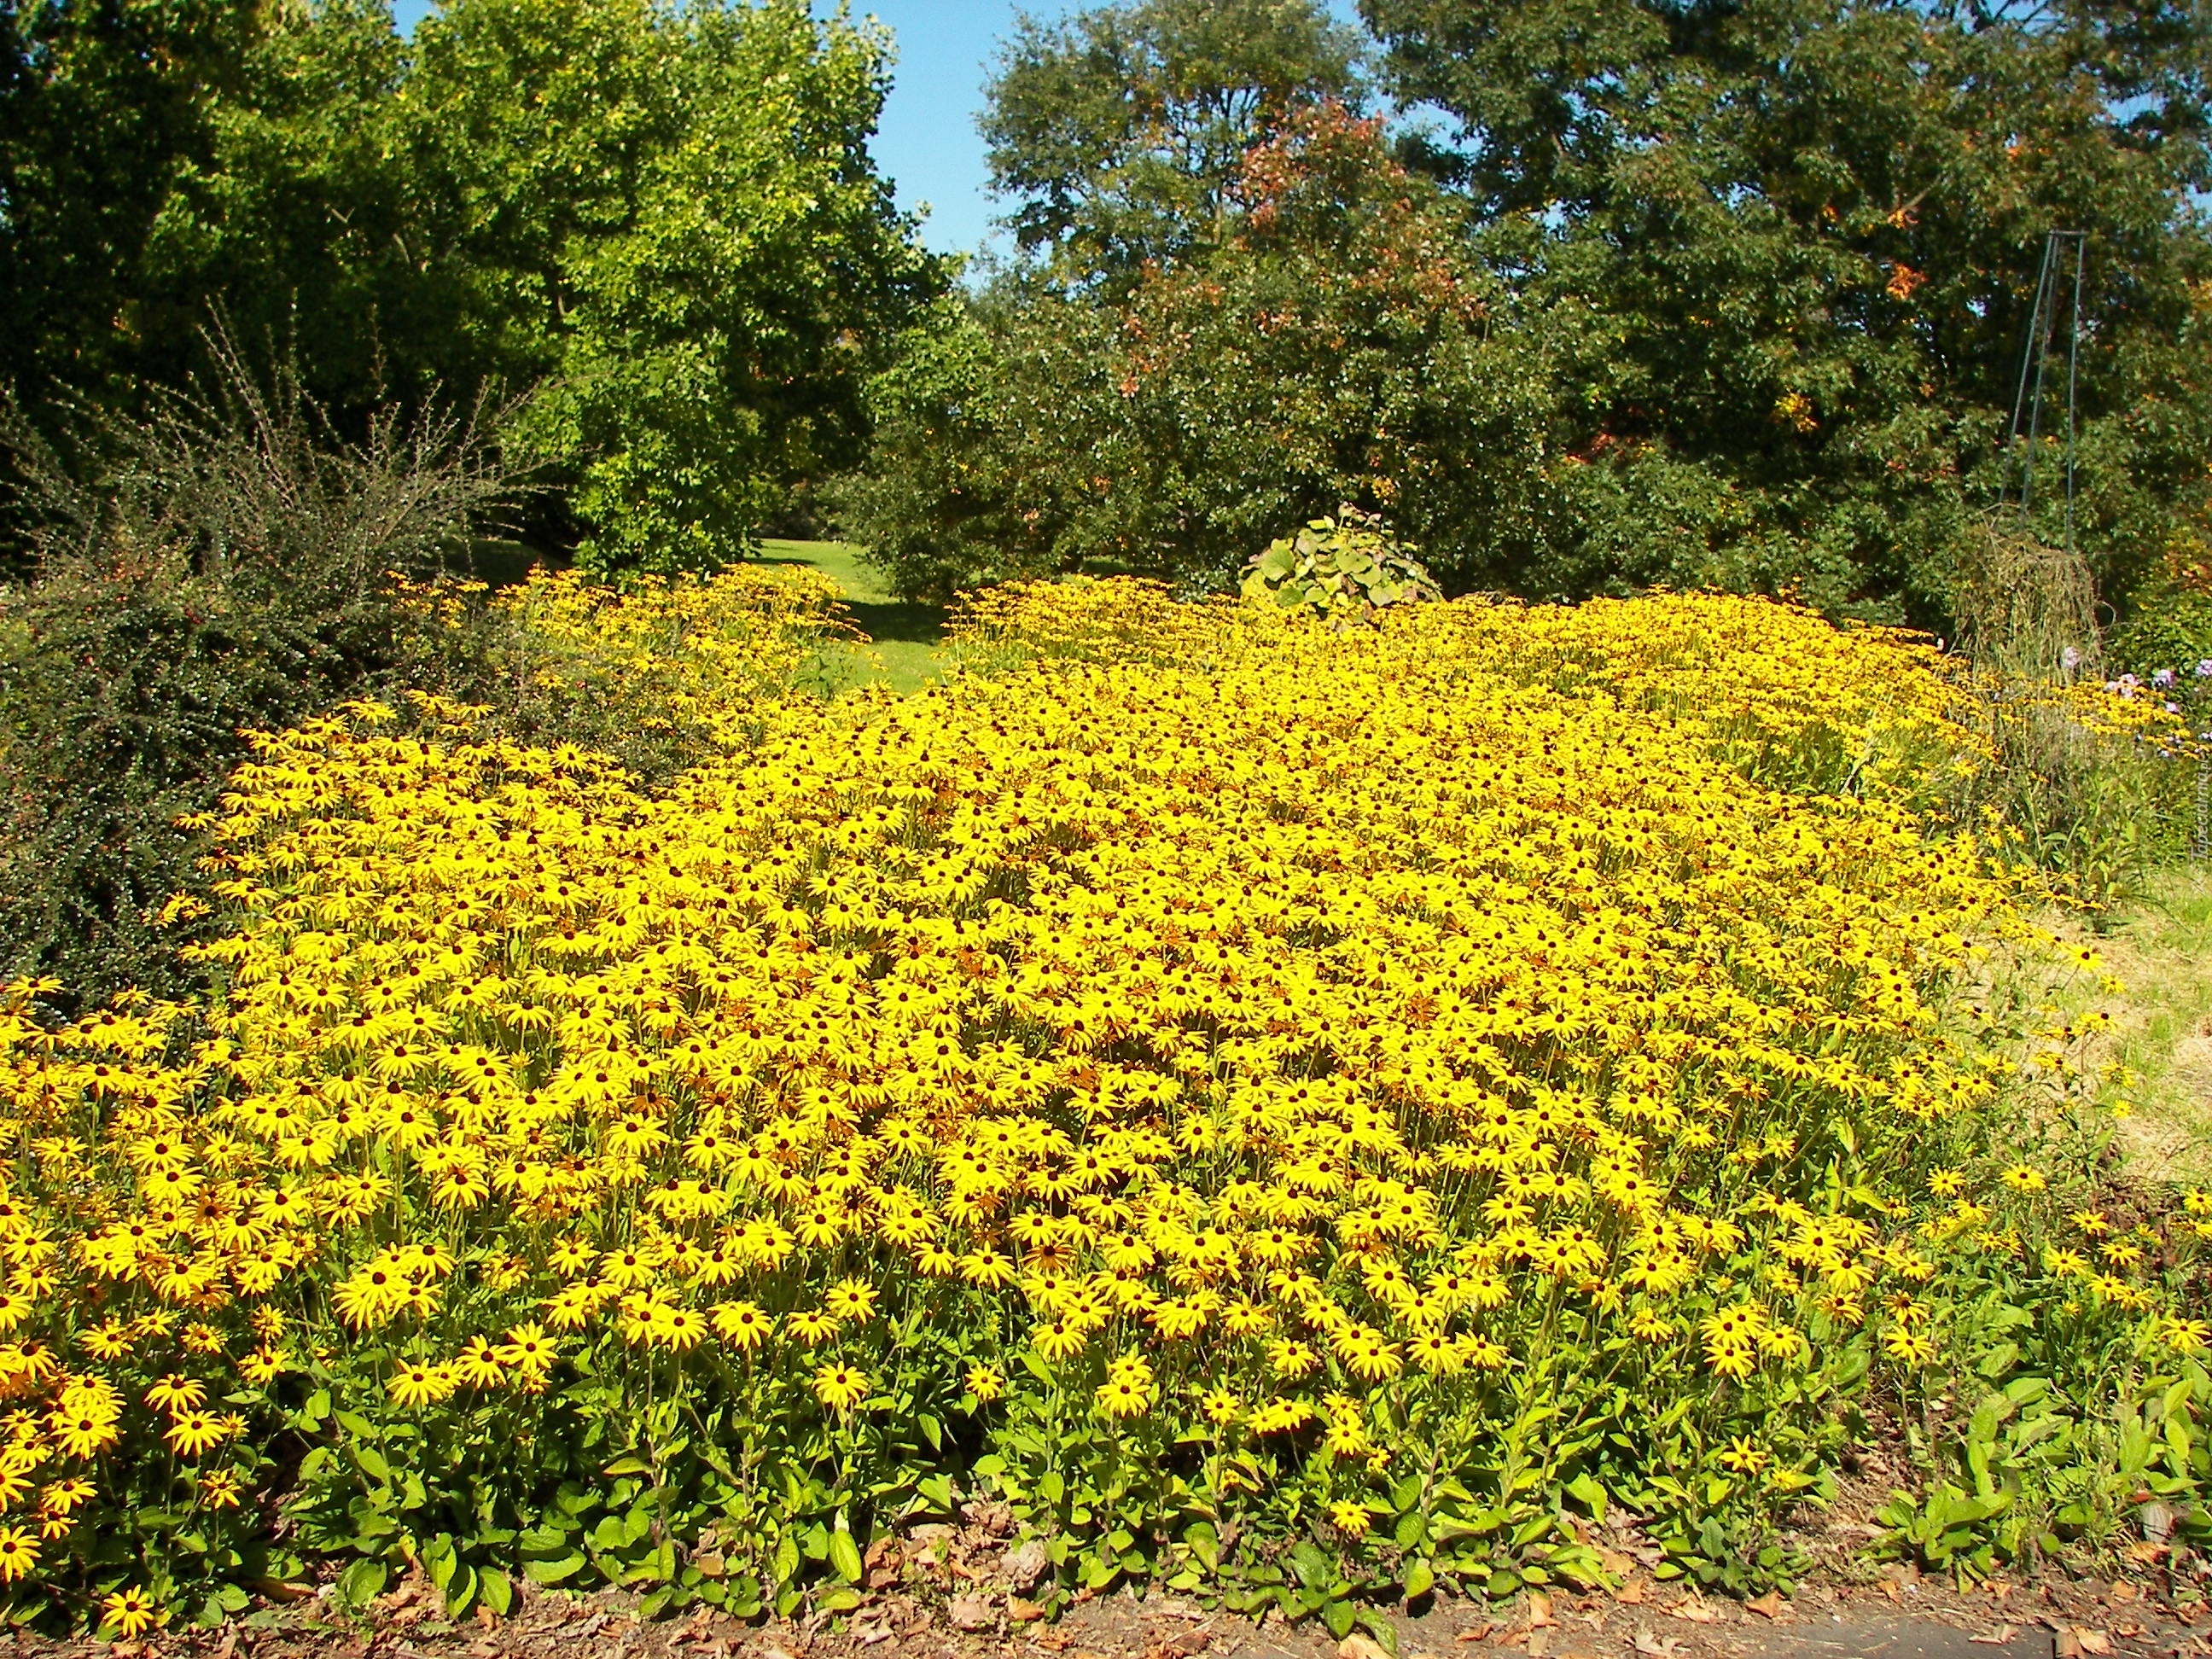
905	638
2161	950
2159	947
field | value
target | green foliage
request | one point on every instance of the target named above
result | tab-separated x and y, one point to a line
670	215
1342	569
1728	297
2168	635
663	213
1334	344
1119	133
1782	257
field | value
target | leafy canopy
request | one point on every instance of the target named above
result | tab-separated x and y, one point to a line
663	211
1118	135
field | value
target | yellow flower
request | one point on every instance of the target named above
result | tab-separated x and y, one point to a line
986	1382
839	1387
1123	1396
221	1489
478	1365
811	1326
1058	1339
129	1612
195	1431
529	1354
415	1383
65	1496
1350	1518
175	1392
19	1553
741	1324
1742	1456
850	1301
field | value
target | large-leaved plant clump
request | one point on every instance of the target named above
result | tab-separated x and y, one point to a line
1343	569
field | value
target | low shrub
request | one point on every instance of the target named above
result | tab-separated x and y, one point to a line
230	564
1315	1124
222	564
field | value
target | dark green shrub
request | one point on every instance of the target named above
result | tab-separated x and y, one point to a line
224	564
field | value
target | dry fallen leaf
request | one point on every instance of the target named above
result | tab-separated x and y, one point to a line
1696	1611
1477	1634
1768	1606
1656	1647
2123	1591
1540	1609
1536	1645
1357	1646
1995	1639
1631	1594
2130	1631
2093	1641
971	1613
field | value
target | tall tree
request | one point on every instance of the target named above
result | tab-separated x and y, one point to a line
101	106
1116	135
1335	342
1787	249
671	214
662	213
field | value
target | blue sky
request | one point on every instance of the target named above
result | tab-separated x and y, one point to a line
928	145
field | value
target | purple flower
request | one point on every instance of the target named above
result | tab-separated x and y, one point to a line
2163	678
2070	659
2204	669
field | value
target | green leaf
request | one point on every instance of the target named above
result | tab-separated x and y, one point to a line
1419	1579
553	1569
461	1592
1590	1493
361	1583
1310	1564
497	1590
845	1557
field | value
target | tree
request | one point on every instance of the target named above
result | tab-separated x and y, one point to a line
1786	249
1335	344
663	213
1118	134
671	214
100	105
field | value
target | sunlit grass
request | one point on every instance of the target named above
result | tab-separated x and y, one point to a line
904	652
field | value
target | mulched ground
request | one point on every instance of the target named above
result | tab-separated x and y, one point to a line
960	1592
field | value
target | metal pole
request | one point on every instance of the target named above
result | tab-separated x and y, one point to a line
2073	351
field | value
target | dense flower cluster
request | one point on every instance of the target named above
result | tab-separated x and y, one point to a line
1315	1039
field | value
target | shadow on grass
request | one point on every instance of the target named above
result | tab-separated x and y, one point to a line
887	622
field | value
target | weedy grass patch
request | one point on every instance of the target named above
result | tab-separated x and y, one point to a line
1303	1117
